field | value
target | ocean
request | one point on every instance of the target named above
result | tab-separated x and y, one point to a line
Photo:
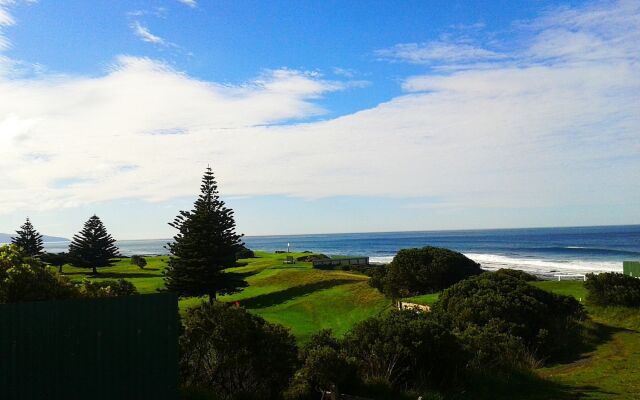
542	251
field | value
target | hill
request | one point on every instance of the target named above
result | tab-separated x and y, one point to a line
6	238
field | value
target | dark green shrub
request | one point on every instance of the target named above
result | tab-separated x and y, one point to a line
613	289
139	261
235	354
312	257
427	270
525	276
244	252
503	306
24	279
107	288
55	259
325	367
405	349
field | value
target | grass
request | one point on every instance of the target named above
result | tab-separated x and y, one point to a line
297	296
306	300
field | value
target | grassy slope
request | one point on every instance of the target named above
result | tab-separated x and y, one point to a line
294	295
306	300
609	370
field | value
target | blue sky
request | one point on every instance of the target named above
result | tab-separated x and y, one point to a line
320	116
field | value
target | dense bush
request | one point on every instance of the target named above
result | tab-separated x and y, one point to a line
235	354
24	279
312	257
139	261
496	310
244	252
107	288
426	270
613	289
405	349
525	276
325	367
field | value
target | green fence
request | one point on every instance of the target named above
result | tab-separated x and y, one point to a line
631	268
108	348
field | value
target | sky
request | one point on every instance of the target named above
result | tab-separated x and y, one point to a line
320	117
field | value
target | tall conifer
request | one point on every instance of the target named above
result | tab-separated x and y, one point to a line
206	245
29	239
93	247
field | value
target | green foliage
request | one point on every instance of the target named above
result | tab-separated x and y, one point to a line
29	239
107	288
55	259
139	261
517	274
613	289
498	307
312	257
235	354
325	367
206	245
425	270
23	279
92	247
405	349
244	252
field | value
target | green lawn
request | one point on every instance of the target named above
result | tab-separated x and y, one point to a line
306	300
297	296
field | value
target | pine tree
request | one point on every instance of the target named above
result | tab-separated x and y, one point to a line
206	245
29	239
92	247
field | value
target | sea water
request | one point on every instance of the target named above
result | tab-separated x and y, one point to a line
543	251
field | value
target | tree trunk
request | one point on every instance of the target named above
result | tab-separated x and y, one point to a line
60	268
95	271
212	297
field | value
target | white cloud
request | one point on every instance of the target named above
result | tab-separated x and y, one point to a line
143	33
190	3
549	127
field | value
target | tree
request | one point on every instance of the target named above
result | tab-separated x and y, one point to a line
235	354
29	239
206	244
22	278
93	247
426	270
498	306
55	259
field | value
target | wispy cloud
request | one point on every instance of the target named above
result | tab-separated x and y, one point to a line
190	3
437	52
145	34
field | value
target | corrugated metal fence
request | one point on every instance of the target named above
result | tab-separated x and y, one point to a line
107	348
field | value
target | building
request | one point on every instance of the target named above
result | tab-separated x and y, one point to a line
339	262
631	268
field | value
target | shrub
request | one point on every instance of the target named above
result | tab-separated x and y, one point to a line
496	306
24	279
325	367
139	261
613	289
245	252
107	288
405	349
427	270
312	257
525	276
235	354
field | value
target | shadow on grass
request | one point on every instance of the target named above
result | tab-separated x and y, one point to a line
271	299
593	334
111	275
527	386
